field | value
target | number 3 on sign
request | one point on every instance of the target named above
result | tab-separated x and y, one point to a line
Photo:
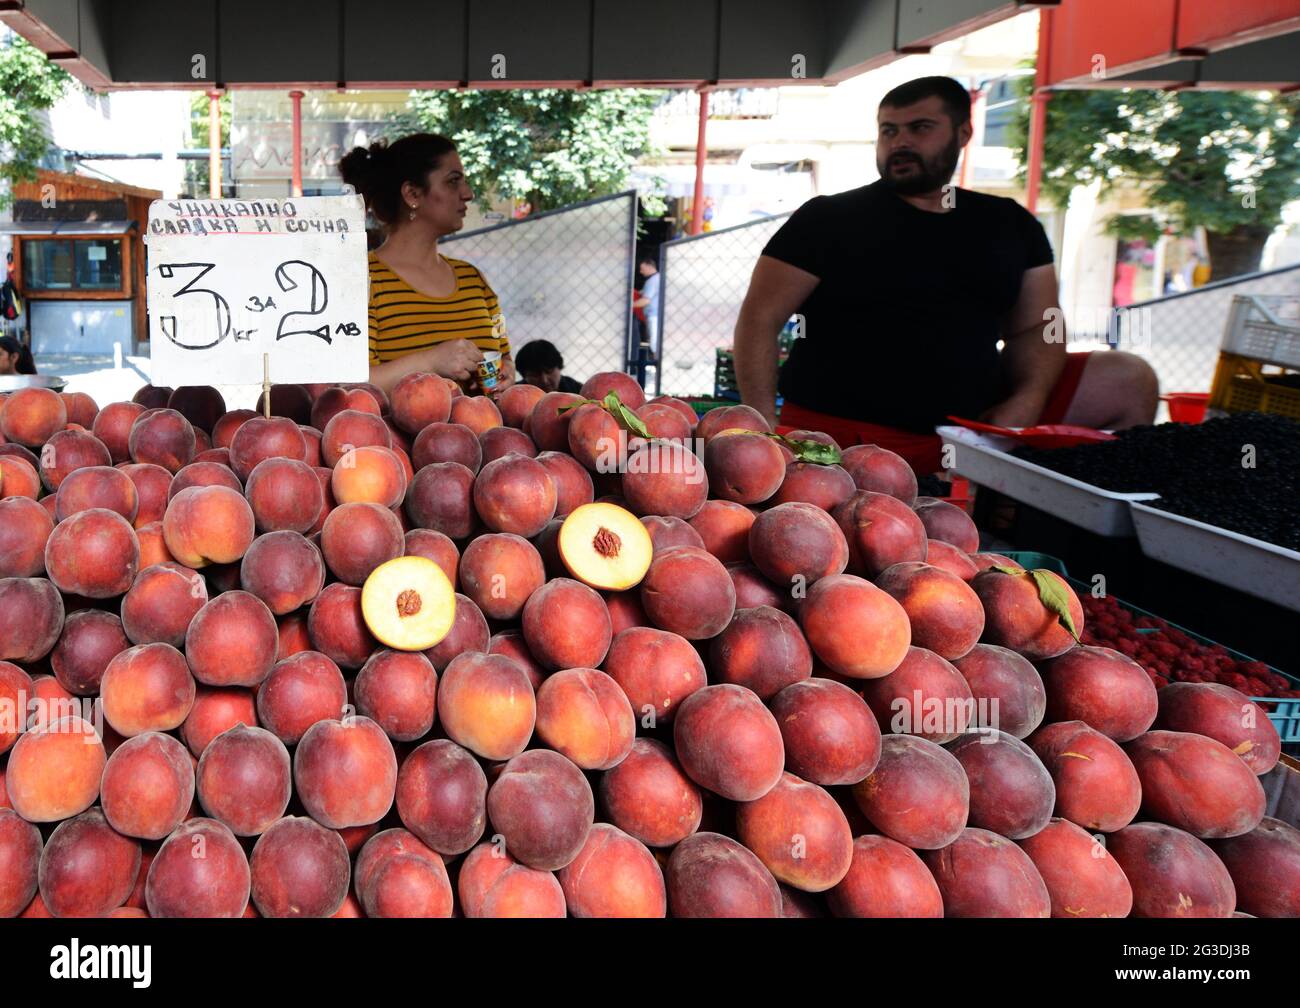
168	323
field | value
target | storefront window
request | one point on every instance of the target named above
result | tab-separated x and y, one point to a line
72	264
47	264
99	263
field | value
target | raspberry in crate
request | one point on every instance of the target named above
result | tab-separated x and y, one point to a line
1171	655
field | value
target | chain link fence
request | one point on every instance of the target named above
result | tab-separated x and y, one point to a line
565	276
1180	334
703	281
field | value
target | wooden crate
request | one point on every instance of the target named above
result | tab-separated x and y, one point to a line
1243	385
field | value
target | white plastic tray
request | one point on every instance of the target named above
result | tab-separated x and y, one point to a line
984	459
1228	558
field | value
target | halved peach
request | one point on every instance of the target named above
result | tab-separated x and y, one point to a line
408	603
605	546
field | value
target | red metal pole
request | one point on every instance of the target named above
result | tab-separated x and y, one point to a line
214	144
701	149
296	98
1038	111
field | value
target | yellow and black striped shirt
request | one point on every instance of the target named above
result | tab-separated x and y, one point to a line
402	320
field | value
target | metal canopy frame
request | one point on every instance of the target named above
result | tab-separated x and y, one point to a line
1169	44
206	44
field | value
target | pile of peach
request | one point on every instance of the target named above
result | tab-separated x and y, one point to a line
811	695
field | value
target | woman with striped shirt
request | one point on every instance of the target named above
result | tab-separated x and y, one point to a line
428	312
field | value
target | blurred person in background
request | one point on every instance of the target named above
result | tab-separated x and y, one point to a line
648	301
539	363
15	358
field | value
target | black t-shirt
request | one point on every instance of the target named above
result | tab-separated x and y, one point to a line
568	384
903	328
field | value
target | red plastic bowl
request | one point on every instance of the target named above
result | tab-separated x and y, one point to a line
1186	407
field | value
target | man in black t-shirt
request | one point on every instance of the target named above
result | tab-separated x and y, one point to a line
906	287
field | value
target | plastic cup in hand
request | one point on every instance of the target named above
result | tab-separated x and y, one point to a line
489	371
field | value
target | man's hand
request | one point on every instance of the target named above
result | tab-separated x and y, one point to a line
776	290
1017	411
1031	364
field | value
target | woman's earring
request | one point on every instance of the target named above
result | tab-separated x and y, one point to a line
412	211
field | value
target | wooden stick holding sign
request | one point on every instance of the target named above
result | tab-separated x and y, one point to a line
266	385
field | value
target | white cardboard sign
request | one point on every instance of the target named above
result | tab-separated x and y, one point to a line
231	280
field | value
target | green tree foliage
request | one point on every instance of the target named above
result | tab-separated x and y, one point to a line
29	84
548	146
1227	161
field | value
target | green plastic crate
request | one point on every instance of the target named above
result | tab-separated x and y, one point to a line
1040	561
702	406
1286	713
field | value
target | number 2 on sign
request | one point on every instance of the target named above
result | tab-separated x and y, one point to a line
318	296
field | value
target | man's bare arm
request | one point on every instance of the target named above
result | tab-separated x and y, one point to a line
1031	363
776	290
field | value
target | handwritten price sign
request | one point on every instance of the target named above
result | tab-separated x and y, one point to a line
232	280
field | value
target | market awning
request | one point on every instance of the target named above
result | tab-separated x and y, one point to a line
488	43
68	229
1174	43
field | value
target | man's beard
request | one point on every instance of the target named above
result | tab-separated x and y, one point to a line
933	173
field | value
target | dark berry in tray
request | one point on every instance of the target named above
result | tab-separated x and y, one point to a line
1240	472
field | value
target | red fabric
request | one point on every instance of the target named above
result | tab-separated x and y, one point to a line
1065	388
921	451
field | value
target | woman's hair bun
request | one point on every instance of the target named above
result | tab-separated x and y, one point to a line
379	171
364	168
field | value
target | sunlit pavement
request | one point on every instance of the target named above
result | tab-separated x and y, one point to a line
98	378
